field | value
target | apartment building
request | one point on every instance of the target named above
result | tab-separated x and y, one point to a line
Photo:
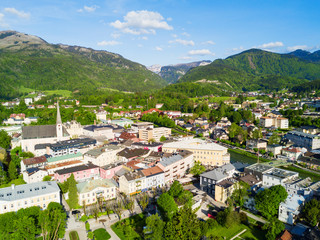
28	195
103	156
277	122
208	153
305	140
132	183
32	175
224	189
154	177
154	133
277	176
290	209
33	162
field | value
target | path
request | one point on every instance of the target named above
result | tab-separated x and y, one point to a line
238	234
306	169
254	217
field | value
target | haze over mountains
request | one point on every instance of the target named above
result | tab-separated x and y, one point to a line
31	62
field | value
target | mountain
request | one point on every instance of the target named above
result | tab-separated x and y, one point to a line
255	69
31	62
156	68
308	56
173	73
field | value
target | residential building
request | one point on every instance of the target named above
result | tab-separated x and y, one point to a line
208	153
128	154
15	119
28	195
153	146
132	183
141	125
33	162
32	175
277	176
74	128
256	143
109	171
91	191
176	165
292	153
81	173
154	177
305	140
277	122
290	209
122	122
104	131
224	189
103	155
275	149
154	133
311	129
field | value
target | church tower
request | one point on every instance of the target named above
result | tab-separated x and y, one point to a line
59	124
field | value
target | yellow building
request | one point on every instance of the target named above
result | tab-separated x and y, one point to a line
224	189
154	133
207	153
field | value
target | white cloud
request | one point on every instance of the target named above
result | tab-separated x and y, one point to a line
185	58
141	22
169	19
185	34
115	35
302	47
237	49
183	42
174	35
88	9
144	38
20	14
209	42
200	52
271	45
2	22
159	49
108	43
140	45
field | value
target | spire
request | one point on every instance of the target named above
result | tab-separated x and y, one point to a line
58	114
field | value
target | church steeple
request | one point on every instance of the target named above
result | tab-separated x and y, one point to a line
59	124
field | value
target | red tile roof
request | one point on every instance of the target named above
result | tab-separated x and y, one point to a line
34	160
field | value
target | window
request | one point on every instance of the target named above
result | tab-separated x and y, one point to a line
11	205
25	202
4	207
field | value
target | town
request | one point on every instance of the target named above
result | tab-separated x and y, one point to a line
246	166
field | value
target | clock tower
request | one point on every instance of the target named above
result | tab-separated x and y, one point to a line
59	124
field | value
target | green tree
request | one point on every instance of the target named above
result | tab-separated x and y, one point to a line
274	139
236	117
232	219
12	171
167	206
73	199
273	228
256	134
3	156
163	138
144	201
240	193
197	169
154	229
311	212
5	139
268	200
176	189
47	178
25	228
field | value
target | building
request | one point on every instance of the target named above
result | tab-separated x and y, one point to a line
154	177
104	131
256	143
122	122
91	191
291	153
305	140
257	169
224	189
277	122
290	209
32	175
16	120
74	129
153	146
109	171
154	133
127	154
304	187
28	195
34	162
81	173
104	155
277	176
132	183
275	149
176	165
141	125
208	153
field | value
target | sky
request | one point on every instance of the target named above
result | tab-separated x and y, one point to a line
169	31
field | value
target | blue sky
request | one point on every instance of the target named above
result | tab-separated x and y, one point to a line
169	31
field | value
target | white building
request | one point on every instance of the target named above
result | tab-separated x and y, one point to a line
132	183
290	209
277	176
154	177
28	195
277	122
103	156
91	191
154	133
28	101
33	175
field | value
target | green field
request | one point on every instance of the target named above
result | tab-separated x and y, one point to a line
303	173
73	235
63	93
130	228
101	234
252	233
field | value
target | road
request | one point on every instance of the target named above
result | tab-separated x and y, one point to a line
254	217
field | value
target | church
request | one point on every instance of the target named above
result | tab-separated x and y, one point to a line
43	134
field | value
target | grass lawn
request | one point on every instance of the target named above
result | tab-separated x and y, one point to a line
73	235
130	228
101	234
303	173
63	93
252	233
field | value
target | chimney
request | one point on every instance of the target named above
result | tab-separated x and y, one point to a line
12	186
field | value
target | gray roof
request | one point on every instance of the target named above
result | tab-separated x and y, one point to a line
28	190
302	134
166	161
88	186
98	151
41	131
215	174
228	167
131	176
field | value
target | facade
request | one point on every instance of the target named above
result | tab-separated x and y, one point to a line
275	149
290	209
277	176
154	177
291	153
132	183
256	143
32	175
208	153
28	195
91	191
81	173
277	122
305	140
17	121
74	128
154	133
103	156
224	189
176	165
109	171
141	125
33	162
104	131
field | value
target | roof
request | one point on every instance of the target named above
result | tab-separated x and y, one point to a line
175	157
93	128
98	151
34	160
73	143
27	191
89	186
64	157
31	171
302	134
41	131
152	171
196	144
286	235
126	135
215	174
130	153
293	150
131	176
258	167
227	183
77	168
250	179
293	202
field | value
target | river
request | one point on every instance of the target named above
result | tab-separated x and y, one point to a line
236	157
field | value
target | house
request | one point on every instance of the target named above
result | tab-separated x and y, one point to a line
128	154
277	176
28	195
91	191
285	235
290	209
33	163
154	133
154	177
277	122
132	183
292	153
141	125
310	160
153	146
256	143
219	133
224	122
109	171
32	175
275	149
253	181
257	169
176	165
224	189
207	153
103	155
309	129
305	140
81	173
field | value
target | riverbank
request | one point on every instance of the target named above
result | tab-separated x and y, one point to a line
303	173
237	155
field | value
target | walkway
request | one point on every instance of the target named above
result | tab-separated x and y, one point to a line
238	234
260	219
306	169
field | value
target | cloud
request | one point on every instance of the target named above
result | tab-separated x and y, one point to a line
20	14
200	52
108	43
174	35
144	38
209	42
185	58
88	9
185	34
159	49
271	45
237	49
302	47
183	42
141	22
169	19
115	35
2	22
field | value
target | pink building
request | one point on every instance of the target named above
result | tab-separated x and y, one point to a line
81	173
108	171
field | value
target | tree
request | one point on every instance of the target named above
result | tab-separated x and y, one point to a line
3	156
273	228
12	171
274	139
108	209
167	206
3	176
25	228
311	212
46	178
154	229
236	117
118	208
175	189
232	218
185	198
73	199
144	201
5	139
268	200
163	138
256	134
240	193
130	204
197	169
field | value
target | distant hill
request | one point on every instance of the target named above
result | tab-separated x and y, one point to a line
173	73
312	57
255	69
31	62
